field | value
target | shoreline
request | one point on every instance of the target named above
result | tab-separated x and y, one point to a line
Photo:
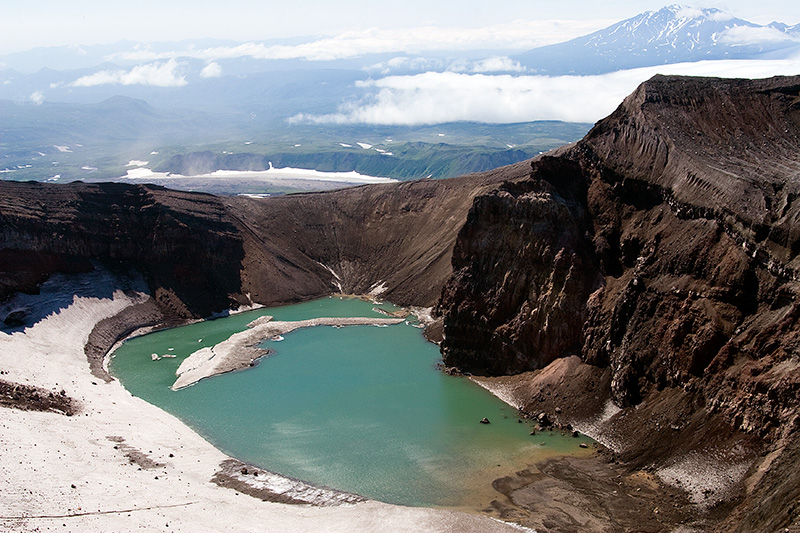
241	349
122	464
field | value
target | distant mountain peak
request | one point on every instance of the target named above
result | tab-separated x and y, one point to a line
675	26
672	34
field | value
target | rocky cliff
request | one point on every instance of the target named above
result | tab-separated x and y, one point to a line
188	252
662	250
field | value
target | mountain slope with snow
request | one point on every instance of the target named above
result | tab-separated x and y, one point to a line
673	34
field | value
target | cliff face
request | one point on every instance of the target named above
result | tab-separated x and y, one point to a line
664	245
523	270
661	249
202	254
190	255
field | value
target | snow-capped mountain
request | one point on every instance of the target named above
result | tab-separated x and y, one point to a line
672	34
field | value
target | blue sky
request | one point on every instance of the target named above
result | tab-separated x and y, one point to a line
32	23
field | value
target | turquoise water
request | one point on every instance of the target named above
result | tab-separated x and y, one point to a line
360	408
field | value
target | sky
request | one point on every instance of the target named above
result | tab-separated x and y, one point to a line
33	23
482	90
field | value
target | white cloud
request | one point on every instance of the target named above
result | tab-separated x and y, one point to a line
37	97
405	65
432	98
744	35
449	96
721	16
497	64
212	70
155	74
416	64
519	35
689	12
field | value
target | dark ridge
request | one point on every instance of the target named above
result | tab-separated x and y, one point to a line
30	398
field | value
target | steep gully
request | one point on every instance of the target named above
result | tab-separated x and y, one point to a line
641	284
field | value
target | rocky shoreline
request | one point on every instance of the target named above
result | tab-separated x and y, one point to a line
599	492
550	495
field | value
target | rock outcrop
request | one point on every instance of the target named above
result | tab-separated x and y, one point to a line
188	252
523	271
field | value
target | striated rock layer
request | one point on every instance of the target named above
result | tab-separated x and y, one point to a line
662	250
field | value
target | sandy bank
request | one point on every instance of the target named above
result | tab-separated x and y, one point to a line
121	464
241	349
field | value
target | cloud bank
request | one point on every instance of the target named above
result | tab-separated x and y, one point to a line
744	35
155	74
497	64
518	35
432	97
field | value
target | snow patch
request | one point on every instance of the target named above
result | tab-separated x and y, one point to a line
377	289
144	172
595	427
709	478
337	281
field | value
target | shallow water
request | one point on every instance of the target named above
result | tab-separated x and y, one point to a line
361	408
